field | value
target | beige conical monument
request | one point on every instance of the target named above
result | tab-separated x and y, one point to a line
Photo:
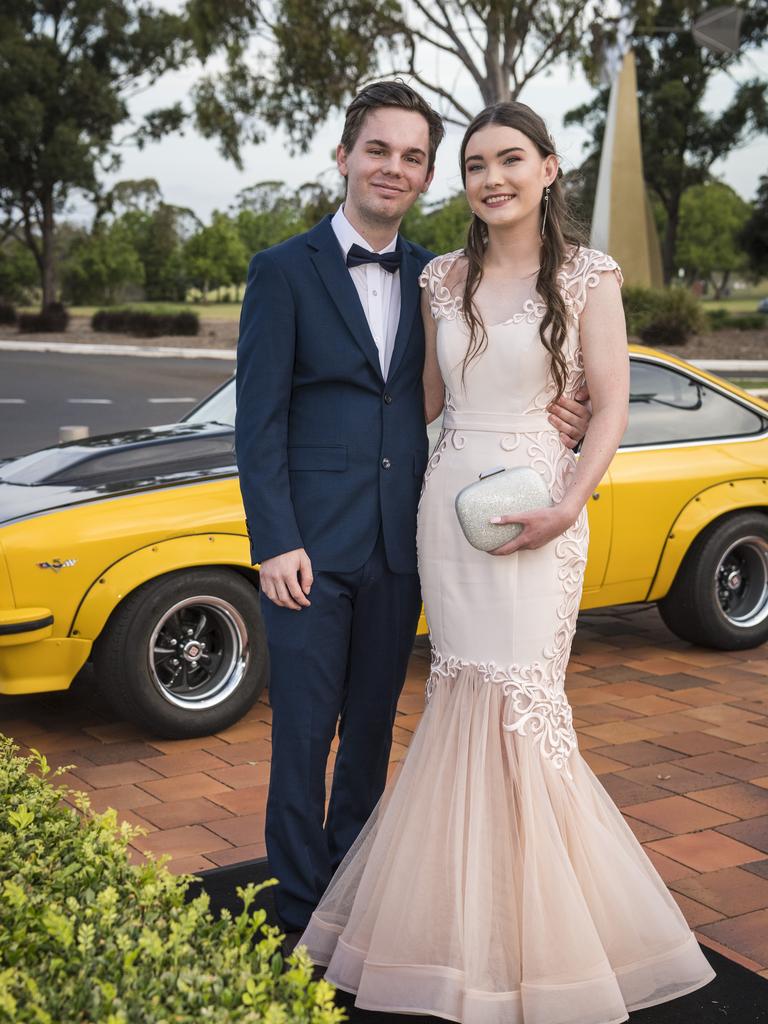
622	220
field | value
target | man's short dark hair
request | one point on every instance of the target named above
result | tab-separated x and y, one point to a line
391	94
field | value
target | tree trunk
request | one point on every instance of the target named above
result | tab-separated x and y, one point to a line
48	275
670	242
720	288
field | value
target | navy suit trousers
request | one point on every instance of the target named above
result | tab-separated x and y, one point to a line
339	663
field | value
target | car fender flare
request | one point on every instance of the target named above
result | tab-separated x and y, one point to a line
702	510
147	563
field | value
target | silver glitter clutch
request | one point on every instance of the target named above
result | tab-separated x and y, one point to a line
499	492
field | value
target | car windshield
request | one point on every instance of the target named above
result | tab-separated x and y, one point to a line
219	408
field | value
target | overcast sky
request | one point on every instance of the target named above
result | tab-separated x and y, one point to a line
191	172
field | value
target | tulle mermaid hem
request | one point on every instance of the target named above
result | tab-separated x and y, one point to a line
497	883
436	990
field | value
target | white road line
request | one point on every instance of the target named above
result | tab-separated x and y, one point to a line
86	349
13	401
89	401
170	401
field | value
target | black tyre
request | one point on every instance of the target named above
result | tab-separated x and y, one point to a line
720	595
186	654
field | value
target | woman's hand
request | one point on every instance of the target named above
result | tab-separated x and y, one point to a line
539	527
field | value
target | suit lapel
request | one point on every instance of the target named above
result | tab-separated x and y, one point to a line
409	300
333	272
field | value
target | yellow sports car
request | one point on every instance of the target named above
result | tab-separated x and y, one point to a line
130	550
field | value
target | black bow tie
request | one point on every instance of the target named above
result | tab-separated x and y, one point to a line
390	261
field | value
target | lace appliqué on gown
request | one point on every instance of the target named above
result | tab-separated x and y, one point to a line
580	273
536	705
445	438
534	708
442	302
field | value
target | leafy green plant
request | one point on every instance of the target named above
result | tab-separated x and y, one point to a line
662	316
8	314
719	319
53	319
87	937
144	323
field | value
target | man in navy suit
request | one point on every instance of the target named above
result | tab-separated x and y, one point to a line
331	448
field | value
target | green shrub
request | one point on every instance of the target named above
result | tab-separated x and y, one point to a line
719	319
145	324
86	937
53	319
7	313
662	316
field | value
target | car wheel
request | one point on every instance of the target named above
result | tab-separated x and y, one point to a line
185	655
719	597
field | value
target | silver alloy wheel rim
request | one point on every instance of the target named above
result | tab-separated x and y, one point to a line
198	652
741	582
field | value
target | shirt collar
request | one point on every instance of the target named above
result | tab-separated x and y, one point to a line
347	235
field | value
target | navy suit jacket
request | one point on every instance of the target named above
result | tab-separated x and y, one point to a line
328	452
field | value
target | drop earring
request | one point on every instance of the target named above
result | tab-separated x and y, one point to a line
546	209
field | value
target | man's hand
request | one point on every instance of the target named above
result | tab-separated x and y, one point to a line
287	579
571	416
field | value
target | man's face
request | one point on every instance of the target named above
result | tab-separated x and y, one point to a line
386	169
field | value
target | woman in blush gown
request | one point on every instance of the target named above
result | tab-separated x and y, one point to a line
496	882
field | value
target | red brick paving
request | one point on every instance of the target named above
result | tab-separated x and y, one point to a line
677	734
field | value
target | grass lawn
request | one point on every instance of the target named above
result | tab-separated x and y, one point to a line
742	300
732	305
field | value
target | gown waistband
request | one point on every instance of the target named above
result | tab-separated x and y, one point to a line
497	422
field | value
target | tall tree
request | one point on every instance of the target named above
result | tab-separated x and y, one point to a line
681	140
440	226
712	216
290	63
158	232
100	265
216	255
269	212
18	272
67	71
754	237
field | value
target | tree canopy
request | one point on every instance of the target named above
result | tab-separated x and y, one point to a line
712	216
67	71
681	139
754	236
290	63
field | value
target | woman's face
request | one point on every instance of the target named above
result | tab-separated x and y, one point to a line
506	176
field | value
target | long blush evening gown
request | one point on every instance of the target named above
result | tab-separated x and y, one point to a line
496	882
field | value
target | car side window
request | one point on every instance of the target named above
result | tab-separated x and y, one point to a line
666	406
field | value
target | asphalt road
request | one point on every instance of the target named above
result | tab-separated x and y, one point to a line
43	391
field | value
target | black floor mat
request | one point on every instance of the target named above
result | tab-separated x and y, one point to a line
736	996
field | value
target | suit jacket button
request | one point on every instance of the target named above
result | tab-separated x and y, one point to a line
385	463
388	399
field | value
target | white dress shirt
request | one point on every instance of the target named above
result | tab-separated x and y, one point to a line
379	290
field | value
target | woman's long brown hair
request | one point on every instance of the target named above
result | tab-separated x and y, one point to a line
560	232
